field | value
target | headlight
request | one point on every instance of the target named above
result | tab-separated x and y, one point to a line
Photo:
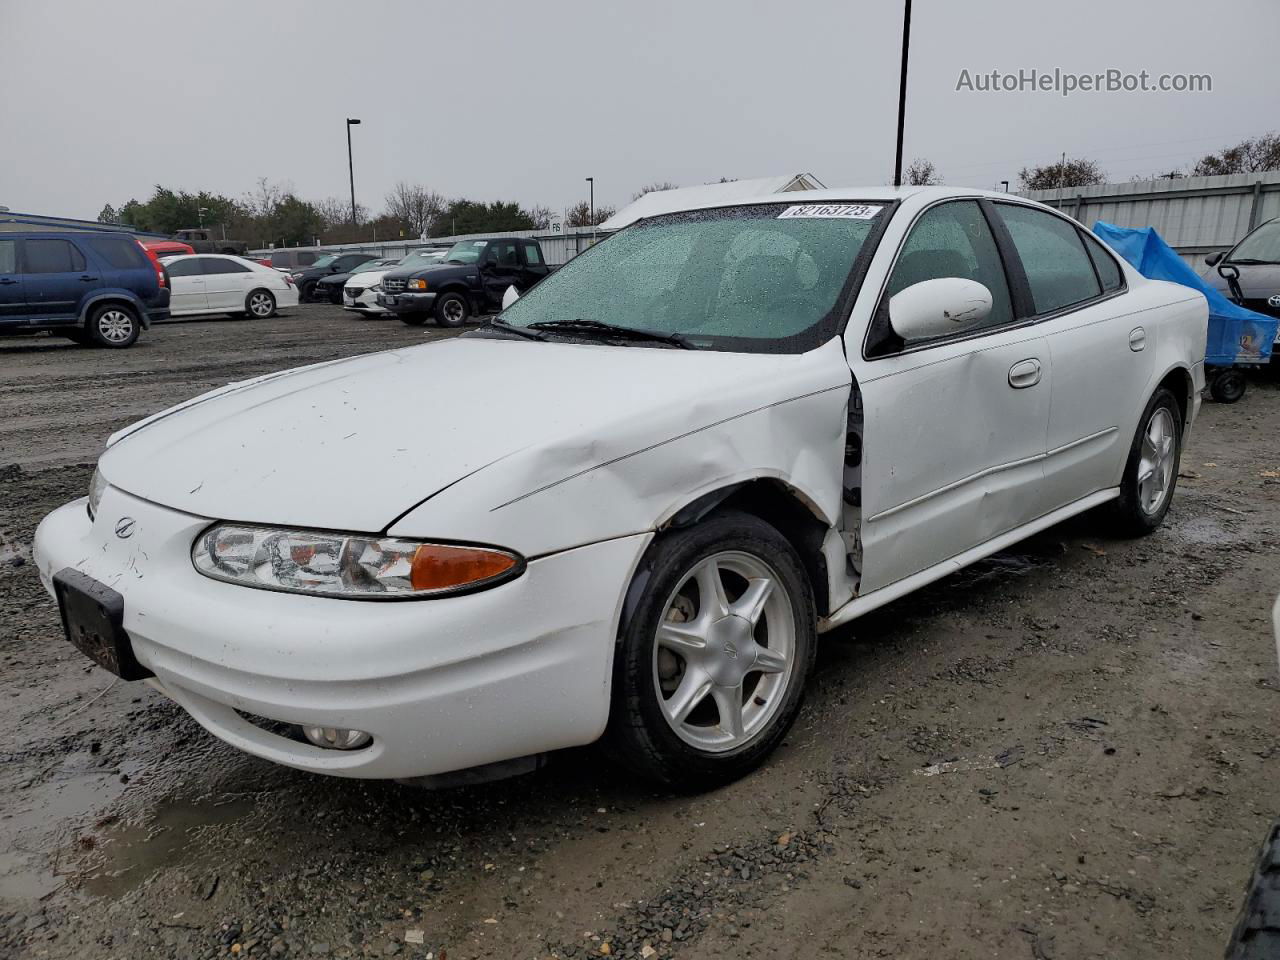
97	486
376	288
348	565
416	284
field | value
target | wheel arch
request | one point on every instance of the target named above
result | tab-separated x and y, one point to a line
1181	384
121	297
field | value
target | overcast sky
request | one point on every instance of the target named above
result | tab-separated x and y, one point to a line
520	100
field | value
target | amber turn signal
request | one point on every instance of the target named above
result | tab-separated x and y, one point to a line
440	567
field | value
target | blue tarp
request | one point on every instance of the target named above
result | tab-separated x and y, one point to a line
1236	335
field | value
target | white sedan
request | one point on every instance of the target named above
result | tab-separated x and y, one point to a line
685	455
220	283
360	292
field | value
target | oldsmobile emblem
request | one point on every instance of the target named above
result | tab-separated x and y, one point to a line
125	527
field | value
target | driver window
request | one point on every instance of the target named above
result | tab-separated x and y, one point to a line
953	240
502	254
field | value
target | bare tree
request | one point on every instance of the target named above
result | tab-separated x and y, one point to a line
1253	155
653	188
922	172
416	207
1066	173
579	215
541	217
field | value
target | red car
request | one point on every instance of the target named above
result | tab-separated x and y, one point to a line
167	248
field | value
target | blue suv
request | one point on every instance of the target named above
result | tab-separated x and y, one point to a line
97	288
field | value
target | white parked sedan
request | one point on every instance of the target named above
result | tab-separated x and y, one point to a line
703	442
360	292
220	283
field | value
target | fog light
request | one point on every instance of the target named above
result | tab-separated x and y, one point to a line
337	738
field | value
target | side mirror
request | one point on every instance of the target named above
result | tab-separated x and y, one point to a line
1214	259
935	308
510	297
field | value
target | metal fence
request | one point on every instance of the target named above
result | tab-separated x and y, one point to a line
1195	215
558	246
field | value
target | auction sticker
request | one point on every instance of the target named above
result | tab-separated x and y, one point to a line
831	211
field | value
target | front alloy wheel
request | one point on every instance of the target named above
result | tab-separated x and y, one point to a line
261	304
715	645
720	665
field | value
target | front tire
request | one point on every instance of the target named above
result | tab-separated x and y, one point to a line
114	326
413	319
1151	473
452	310
307	292
260	304
711	663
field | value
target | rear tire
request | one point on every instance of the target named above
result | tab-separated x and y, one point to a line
1257	931
452	310
1151	472
113	325
260	304
683	665
1228	386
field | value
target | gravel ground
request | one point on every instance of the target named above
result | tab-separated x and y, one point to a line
1069	751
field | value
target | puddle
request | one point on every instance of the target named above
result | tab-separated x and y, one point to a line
125	854
1208	532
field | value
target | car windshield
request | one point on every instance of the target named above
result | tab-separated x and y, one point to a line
764	278
1263	244
324	261
422	256
466	251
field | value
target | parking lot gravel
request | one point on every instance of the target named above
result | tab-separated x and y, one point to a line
1068	751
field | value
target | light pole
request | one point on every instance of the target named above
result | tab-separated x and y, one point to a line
351	170
1005	184
200	212
902	93
592	182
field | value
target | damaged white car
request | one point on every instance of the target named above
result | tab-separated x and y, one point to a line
628	507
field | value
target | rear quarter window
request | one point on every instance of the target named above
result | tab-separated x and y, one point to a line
119	252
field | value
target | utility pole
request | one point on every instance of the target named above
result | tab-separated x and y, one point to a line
351	170
592	182
902	92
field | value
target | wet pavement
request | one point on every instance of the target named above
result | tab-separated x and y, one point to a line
1069	750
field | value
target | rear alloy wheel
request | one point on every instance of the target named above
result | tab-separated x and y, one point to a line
452	310
1151	473
114	326
711	666
260	304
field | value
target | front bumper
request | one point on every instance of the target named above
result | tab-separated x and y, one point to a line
407	302
365	302
441	685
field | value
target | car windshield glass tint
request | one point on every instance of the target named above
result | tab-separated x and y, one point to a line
466	251
762	278
325	260
1262	244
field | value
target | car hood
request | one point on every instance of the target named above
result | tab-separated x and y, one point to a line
354	444
366	279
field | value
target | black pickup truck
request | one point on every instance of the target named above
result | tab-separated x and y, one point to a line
471	280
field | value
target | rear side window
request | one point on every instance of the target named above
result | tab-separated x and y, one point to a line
119	252
52	256
532	256
213	265
1058	269
189	267
282	260
8	256
953	240
307	258
1108	271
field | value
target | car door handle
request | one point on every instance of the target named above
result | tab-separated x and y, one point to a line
87	279
1137	339
1024	373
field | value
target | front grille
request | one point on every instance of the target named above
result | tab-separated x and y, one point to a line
393	286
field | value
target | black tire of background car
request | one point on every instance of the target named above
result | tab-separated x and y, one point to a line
638	735
1256	935
1127	515
308	291
248	305
414	319
1228	386
444	321
94	334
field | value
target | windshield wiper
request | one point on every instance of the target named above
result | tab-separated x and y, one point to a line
518	331
1253	262
614	330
